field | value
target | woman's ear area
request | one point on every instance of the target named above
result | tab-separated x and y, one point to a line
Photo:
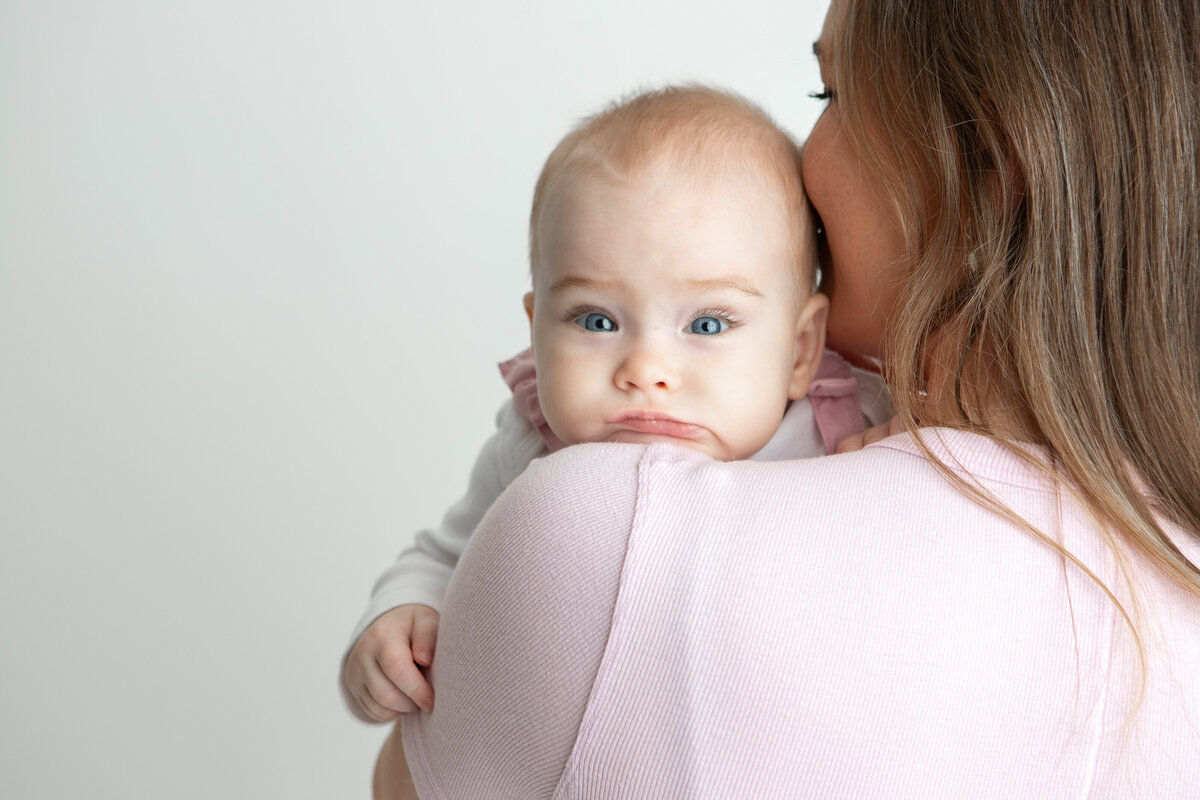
1009	184
810	344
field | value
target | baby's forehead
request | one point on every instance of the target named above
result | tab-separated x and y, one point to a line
585	185
705	175
685	235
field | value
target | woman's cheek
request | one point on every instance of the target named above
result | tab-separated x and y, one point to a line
852	325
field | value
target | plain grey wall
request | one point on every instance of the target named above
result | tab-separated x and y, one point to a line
257	262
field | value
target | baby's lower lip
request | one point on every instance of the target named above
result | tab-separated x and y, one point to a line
660	426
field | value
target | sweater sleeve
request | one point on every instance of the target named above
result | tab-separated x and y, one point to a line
512	680
420	574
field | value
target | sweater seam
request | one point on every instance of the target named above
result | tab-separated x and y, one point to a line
568	780
973	474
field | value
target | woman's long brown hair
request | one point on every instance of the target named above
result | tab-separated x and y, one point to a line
1042	156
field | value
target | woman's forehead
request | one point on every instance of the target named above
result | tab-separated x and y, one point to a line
821	47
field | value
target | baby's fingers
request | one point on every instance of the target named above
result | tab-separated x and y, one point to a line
871	435
851	443
880	432
401	672
387	693
424	637
377	696
373	709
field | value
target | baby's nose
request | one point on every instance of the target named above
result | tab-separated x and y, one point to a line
647	369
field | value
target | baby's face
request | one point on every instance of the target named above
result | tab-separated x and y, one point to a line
664	310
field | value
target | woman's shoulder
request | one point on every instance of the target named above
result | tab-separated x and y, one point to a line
583	492
946	487
813	573
621	473
581	470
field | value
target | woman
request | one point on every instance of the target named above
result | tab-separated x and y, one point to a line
1003	601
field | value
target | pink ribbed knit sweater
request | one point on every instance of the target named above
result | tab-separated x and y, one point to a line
645	622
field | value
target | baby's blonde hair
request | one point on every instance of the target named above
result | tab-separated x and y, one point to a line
698	131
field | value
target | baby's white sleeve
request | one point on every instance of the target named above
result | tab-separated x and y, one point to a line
420	573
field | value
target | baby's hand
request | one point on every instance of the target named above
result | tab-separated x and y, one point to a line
871	435
382	673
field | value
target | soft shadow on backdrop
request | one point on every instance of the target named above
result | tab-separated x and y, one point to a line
257	263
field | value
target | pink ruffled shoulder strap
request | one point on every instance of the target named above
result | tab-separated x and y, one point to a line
834	397
521	376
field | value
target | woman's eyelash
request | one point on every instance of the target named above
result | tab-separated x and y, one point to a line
825	94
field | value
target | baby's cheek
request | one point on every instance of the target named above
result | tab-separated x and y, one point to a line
755	437
560	397
761	406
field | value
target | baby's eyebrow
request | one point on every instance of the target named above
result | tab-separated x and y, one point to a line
578	282
719	284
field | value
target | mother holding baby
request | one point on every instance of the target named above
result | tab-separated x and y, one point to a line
1001	599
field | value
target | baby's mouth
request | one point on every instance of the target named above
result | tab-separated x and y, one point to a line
653	422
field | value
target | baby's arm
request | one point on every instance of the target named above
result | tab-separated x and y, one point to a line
380	678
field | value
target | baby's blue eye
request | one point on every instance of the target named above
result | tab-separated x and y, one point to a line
596	321
709	326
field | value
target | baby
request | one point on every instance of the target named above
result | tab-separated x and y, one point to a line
674	273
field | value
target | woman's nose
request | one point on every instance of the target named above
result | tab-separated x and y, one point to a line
648	369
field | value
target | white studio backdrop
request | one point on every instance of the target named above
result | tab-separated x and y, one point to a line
258	260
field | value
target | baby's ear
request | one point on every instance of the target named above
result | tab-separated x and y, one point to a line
529	307
810	344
